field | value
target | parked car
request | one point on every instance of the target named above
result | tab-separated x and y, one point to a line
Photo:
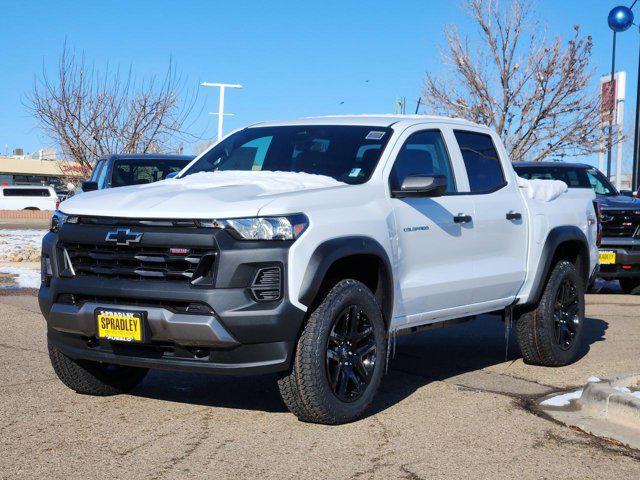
122	170
28	198
619	257
303	248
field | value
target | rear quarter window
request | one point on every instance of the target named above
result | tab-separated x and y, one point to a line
26	192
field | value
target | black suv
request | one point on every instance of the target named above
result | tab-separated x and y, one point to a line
620	247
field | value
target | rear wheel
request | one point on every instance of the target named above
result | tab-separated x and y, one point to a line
551	334
94	378
339	359
630	285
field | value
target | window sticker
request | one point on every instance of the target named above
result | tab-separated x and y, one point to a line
355	172
374	135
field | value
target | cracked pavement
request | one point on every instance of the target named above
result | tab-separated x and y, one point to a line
450	406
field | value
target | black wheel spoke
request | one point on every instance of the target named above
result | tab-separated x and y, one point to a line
342	383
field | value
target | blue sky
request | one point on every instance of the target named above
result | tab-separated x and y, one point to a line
295	58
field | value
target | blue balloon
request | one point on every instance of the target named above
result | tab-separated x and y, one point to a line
620	19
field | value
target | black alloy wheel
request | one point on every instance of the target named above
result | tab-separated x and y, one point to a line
566	314
351	354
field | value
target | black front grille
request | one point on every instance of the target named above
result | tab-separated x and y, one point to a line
620	223
139	262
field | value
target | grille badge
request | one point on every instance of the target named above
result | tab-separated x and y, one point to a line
123	236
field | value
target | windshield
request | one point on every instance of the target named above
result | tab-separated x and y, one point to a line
345	152
137	172
600	184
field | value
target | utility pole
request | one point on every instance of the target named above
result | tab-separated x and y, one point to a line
220	111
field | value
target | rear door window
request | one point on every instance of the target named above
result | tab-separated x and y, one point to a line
481	161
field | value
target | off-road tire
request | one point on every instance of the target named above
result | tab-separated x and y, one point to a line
305	388
535	328
94	378
630	285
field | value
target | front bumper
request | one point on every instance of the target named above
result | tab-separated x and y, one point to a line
231	332
627	260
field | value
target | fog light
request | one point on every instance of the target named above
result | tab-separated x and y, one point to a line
46	272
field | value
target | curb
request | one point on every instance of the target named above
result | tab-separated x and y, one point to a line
606	400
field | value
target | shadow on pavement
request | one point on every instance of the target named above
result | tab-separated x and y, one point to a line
420	359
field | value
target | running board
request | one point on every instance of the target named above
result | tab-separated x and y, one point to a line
433	326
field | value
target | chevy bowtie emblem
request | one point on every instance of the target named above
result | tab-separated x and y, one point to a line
123	236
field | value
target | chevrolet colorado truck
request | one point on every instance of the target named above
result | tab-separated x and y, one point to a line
619	257
302	249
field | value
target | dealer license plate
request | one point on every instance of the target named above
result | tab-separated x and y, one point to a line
120	326
607	257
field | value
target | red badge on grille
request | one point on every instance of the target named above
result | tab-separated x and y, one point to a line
178	251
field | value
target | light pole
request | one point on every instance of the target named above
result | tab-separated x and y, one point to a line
620	19
220	111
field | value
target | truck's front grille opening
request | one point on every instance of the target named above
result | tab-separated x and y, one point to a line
622	223
140	262
193	308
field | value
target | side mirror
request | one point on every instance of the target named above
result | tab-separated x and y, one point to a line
421	186
171	175
89	186
626	193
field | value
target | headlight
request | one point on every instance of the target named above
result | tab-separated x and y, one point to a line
287	227
58	219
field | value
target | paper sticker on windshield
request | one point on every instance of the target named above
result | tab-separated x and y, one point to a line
374	135
355	172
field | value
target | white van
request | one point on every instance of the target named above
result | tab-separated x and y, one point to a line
28	197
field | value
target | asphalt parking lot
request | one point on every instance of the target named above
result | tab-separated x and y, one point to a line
450	407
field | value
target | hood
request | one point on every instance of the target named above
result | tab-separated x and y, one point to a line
225	194
618	202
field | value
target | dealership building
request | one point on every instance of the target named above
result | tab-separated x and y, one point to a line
27	170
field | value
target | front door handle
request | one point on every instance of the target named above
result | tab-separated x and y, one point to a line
462	218
514	215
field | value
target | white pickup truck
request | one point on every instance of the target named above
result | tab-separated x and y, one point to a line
302	248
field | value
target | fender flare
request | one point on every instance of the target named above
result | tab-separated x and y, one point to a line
329	252
556	237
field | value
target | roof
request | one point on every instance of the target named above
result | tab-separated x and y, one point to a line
23	166
552	164
152	156
379	120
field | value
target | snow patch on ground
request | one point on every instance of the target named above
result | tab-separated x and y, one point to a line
269	182
562	400
13	242
593	380
23	277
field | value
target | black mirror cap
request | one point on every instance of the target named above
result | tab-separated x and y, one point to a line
626	193
421	186
89	186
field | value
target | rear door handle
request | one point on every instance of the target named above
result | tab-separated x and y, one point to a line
462	218
514	215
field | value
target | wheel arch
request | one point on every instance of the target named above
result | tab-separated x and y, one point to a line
358	257
562	243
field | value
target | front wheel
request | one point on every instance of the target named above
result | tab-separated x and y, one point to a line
550	334
339	359
94	378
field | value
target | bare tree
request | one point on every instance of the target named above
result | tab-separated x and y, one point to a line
537	93
88	114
